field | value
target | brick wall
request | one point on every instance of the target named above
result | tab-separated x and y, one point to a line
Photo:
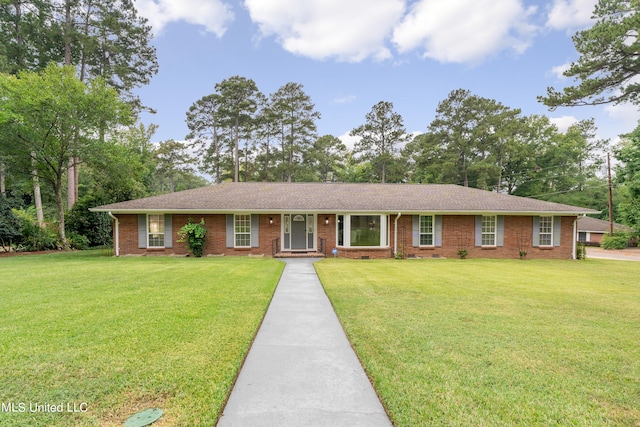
458	231
216	241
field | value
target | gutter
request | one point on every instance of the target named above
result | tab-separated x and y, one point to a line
395	235
575	238
116	243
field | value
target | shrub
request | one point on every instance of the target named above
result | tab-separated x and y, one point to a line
581	251
78	241
96	226
615	241
194	234
10	225
34	237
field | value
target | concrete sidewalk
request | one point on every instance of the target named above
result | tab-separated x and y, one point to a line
301	369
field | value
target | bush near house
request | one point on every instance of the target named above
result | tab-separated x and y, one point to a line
615	241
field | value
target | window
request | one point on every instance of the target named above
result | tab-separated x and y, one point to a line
365	230
156	231
426	230
242	227
489	231
546	230
362	230
582	236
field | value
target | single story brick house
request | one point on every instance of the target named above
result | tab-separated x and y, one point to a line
592	230
350	220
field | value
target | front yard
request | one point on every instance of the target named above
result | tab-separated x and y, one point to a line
495	342
106	337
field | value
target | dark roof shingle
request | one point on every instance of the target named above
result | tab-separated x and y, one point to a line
282	197
598	225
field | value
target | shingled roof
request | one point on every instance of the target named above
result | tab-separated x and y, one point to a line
322	197
595	225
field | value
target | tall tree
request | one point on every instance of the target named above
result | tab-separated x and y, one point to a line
458	123
107	38
58	117
207	136
265	134
608	66
380	136
238	101
29	34
521	165
123	167
628	176
325	158
297	124
28	42
172	157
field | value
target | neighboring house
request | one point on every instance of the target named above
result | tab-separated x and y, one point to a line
592	230
357	220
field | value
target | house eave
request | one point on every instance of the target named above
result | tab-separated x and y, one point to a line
341	211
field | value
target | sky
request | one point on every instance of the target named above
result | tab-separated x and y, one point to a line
351	54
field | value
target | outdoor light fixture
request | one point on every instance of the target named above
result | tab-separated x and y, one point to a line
326	220
270	220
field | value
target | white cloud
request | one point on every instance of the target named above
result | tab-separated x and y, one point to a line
213	15
626	115
349	30
348	140
559	70
465	30
564	122
345	99
570	14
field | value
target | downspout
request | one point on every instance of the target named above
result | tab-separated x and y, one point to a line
116	243
575	238
395	235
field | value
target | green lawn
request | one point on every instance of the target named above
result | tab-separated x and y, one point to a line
495	342
114	336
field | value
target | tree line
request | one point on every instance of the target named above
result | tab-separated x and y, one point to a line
69	120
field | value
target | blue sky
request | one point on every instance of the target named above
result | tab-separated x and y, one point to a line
351	54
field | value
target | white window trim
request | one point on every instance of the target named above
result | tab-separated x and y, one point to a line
384	232
550	233
495	231
149	232
235	233
433	231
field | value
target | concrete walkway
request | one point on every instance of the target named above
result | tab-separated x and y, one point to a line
301	370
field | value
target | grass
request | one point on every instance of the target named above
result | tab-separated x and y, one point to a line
114	336
495	342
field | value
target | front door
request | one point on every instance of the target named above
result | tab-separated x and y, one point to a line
298	232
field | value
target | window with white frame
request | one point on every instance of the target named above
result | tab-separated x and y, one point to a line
546	230
426	230
155	227
242	229
489	230
362	230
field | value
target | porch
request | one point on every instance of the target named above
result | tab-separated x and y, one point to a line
277	252
299	255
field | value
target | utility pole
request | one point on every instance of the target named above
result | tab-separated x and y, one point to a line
610	195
